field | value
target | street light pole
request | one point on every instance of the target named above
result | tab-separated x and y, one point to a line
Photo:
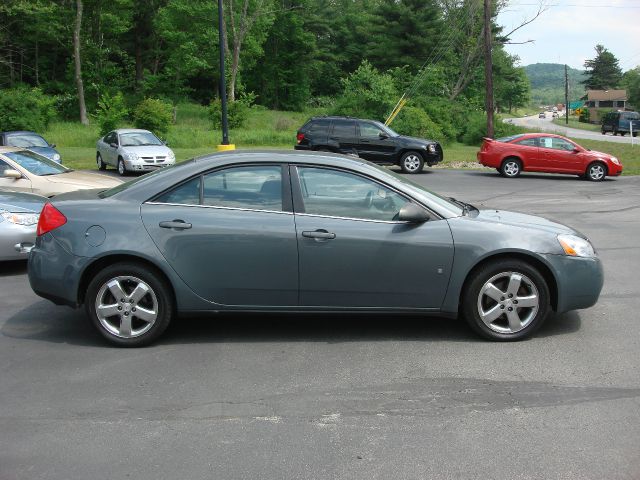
223	86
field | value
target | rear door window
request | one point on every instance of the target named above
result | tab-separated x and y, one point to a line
528	142
344	128
319	127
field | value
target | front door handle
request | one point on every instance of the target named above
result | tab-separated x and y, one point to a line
319	234
177	224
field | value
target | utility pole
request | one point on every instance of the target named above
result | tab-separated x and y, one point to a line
223	87
566	95
488	68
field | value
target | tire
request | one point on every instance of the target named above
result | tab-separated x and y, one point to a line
486	303
511	167
596	171
603	131
120	320
615	132
635	134
122	169
101	164
411	162
622	134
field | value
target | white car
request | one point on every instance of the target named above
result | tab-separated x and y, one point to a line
133	150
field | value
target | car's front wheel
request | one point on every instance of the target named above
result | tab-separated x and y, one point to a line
411	162
122	170
506	300
596	172
511	168
130	304
101	164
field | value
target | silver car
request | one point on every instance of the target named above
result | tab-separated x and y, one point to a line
19	213
133	150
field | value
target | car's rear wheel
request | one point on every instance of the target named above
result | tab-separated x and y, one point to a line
603	131
101	164
511	167
130	304
411	162
615	132
122	170
506	300
596	172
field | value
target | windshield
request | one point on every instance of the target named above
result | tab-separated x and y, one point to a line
36	164
26	140
388	130
423	194
135	139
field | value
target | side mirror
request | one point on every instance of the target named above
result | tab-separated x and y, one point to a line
383	136
10	173
113	145
576	150
52	145
412	213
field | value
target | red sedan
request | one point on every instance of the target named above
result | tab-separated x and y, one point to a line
545	152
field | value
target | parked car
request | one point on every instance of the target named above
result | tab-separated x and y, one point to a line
284	231
133	150
542	115
19	213
25	171
368	139
621	123
545	152
32	141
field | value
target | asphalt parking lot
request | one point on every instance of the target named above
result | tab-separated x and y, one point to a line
315	397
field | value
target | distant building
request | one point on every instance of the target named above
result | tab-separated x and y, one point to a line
604	99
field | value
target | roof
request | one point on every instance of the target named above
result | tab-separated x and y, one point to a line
607	95
130	130
14	132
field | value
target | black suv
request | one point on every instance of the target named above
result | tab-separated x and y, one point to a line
621	122
370	140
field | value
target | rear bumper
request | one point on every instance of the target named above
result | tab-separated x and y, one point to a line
54	273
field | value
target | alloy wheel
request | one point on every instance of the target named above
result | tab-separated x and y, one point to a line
508	302
126	306
411	163
511	168
596	172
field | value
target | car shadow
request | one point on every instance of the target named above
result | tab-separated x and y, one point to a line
45	322
12	268
559	177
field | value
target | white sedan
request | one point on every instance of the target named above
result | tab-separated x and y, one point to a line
133	150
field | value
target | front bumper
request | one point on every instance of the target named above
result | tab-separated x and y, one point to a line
579	281
12	235
146	166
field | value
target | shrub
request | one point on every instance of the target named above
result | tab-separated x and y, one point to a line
111	112
476	129
416	122
25	109
237	113
154	115
367	93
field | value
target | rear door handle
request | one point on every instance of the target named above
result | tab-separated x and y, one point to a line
319	234
177	224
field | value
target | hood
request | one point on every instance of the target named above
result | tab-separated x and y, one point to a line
18	202
417	140
595	153
46	152
149	150
524	220
84	180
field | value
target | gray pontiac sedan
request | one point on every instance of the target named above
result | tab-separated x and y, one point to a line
298	232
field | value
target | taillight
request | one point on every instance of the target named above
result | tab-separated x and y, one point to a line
300	137
50	219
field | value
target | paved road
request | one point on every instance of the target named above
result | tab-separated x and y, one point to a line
547	126
274	397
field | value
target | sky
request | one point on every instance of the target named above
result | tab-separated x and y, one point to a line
568	31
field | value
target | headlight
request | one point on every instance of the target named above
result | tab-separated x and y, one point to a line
171	156
56	157
131	155
432	147
20	218
576	246
615	160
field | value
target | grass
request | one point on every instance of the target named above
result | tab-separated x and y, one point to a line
574	123
192	136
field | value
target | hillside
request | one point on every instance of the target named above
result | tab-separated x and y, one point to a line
547	83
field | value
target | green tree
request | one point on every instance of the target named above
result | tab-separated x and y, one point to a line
603	72
404	32
631	81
